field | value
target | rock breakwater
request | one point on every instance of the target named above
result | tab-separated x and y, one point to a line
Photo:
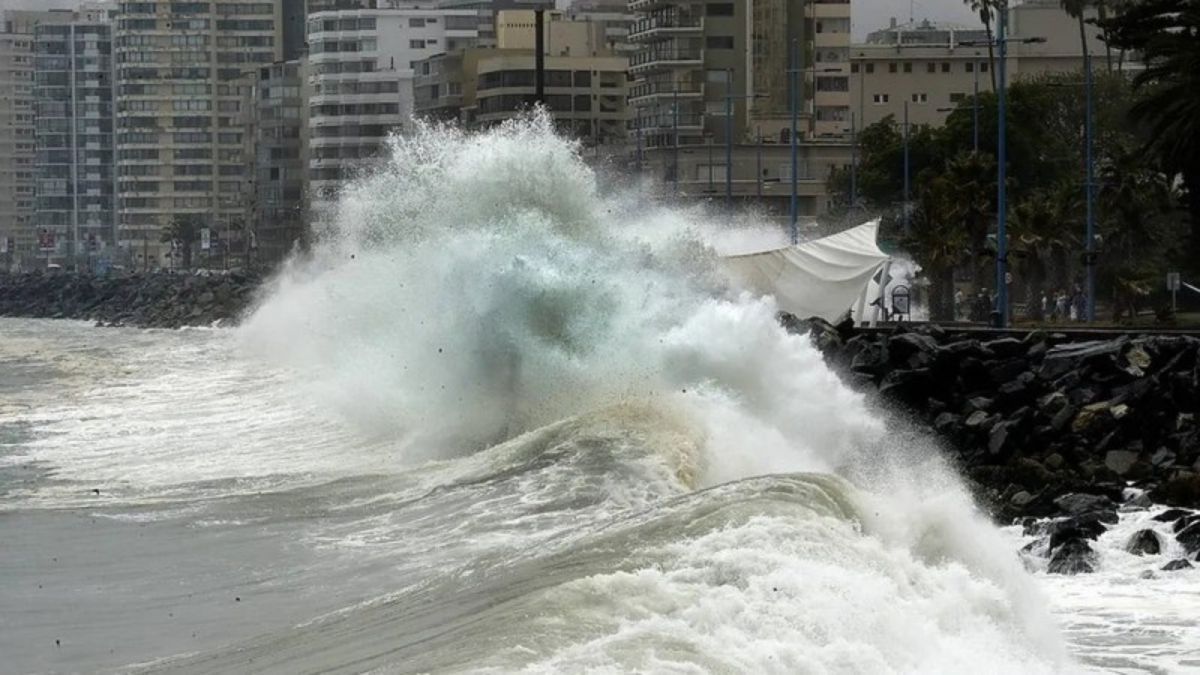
157	300
1032	418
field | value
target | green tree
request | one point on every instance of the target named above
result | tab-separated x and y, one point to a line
184	230
1166	33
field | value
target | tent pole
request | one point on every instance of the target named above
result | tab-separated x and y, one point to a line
860	312
883	278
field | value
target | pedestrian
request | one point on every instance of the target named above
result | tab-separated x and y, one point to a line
1080	305
1063	305
958	304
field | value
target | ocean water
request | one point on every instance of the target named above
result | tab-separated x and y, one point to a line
500	421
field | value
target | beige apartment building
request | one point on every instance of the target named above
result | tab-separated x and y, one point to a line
932	67
183	151
699	60
585	85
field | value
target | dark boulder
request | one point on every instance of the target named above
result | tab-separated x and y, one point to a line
1076	503
1182	490
1189	538
1144	542
1172	515
1074	556
1179	564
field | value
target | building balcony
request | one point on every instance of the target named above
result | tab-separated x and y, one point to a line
666	58
661	27
642	92
645	5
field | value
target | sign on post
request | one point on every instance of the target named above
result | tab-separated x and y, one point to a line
205	238
1172	281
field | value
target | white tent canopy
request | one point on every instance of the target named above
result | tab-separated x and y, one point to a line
822	278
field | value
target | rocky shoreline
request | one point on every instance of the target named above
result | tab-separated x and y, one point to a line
1054	431
155	300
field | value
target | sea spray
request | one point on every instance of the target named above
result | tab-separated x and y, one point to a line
480	291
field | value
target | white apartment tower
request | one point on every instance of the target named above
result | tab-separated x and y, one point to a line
183	152
73	91
360	67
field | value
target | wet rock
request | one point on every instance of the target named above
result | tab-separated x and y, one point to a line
1180	564
1172	515
1144	542
1189	538
1182	490
1120	461
1021	499
1076	503
946	423
1073	557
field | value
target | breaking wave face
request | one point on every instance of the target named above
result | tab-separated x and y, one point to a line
695	489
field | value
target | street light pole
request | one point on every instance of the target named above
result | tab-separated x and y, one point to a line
1090	193
853	162
795	204
729	142
1002	175
675	126
975	107
906	168
758	163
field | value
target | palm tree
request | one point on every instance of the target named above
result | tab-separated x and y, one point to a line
1167	35
986	11
1076	10
1041	244
937	241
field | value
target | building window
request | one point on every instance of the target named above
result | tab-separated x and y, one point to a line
892	67
983	67
945	67
870	68
416	23
931	67
718	42
718	76
908	66
854	67
719	9
879	99
416	44
920	98
970	67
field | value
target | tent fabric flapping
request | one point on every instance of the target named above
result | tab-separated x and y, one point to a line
822	278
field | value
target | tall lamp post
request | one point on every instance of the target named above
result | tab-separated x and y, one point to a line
1090	191
1001	42
730	97
795	71
907	163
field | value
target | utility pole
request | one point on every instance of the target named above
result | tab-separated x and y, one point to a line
675	126
1090	192
853	163
975	107
729	142
1002	174
758	163
795	203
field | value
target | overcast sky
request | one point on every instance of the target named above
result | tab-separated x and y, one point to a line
869	15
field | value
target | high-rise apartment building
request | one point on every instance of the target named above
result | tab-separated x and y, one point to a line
361	81
183	160
73	92
277	105
486	12
18	241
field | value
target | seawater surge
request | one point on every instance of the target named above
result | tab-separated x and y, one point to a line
482	289
499	420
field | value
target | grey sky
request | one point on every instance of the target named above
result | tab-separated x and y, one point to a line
869	15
